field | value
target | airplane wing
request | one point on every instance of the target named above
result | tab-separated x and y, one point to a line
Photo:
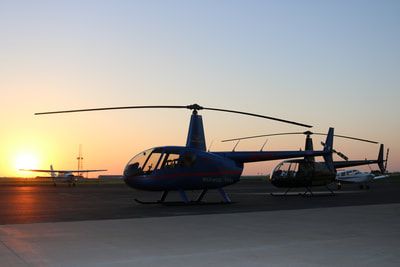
86	171
30	170
61	171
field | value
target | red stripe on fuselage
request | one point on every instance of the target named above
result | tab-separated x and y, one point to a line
197	174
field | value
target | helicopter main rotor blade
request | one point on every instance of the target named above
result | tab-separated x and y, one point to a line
256	136
349	137
106	108
194	107
340	154
343	156
258	115
294	133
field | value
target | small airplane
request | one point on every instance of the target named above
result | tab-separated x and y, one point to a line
63	176
357	177
192	167
306	172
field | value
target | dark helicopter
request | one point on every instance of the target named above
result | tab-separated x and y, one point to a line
191	167
306	172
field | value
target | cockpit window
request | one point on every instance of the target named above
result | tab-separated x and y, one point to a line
147	161
143	163
287	169
151	163
140	159
171	161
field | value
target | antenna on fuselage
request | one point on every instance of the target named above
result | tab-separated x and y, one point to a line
212	142
233	150
262	147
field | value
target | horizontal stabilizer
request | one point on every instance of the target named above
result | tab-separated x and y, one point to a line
381	177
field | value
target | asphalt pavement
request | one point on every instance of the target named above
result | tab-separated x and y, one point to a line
45	203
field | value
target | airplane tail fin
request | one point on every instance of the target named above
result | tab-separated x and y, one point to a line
382	163
53	174
328	148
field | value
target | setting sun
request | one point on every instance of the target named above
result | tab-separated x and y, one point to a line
26	161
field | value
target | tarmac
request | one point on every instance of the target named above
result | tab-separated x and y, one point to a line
101	225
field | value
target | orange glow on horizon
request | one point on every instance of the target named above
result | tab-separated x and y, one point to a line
26	160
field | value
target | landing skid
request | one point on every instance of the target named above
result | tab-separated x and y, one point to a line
147	202
160	201
281	194
181	203
186	201
195	203
307	193
308	190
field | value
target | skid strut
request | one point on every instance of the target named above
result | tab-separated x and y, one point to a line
200	197
184	196
306	192
163	196
224	195
330	190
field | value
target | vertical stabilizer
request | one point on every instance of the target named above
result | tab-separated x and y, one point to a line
381	161
309	147
53	174
328	150
195	138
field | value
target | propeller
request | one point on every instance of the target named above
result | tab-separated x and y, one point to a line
194	107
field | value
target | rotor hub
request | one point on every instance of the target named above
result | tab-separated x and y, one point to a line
308	133
194	107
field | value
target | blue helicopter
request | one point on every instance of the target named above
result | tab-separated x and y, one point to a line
191	167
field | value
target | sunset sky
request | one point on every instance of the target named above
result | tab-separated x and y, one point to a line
324	63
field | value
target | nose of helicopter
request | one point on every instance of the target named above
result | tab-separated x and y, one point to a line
135	178
130	174
129	180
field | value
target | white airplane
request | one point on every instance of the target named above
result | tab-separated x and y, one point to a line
356	177
65	176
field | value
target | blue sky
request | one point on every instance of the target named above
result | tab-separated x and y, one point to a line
327	63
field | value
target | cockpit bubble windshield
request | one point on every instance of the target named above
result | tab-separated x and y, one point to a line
153	159
286	169
148	161
143	163
151	163
140	159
